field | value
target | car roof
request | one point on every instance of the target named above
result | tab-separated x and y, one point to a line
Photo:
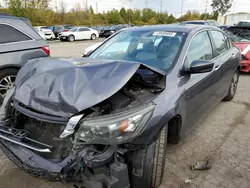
244	21
186	28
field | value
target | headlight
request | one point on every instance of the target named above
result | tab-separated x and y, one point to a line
117	128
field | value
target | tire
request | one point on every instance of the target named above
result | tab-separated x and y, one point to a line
93	37
159	158
233	87
71	38
10	75
150	162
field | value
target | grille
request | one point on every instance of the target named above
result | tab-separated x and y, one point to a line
49	133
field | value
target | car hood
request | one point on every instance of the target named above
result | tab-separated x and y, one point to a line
64	87
244	48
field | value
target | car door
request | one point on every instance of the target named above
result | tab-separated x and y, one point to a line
84	33
226	57
201	89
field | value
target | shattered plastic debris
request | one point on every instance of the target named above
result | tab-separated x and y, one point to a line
190	181
202	165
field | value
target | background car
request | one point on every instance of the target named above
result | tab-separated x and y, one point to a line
202	22
79	33
46	31
113	29
244	46
60	28
242	29
19	42
40	33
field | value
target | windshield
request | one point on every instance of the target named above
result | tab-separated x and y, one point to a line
235	38
242	23
73	29
154	48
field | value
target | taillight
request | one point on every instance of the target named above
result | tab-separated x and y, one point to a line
65	30
243	57
46	50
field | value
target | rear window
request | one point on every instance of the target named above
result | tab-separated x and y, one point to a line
9	34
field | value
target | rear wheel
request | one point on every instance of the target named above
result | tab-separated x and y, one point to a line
7	81
153	158
71	38
233	87
93	37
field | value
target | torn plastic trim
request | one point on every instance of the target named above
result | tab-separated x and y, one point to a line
24	157
70	128
18	137
6	105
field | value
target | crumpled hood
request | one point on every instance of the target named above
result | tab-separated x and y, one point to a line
63	87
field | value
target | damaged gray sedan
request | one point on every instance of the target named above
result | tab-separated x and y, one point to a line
105	121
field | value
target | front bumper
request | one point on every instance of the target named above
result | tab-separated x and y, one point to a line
107	170
245	66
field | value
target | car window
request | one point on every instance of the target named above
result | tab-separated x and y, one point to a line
9	34
220	42
228	41
200	48
83	29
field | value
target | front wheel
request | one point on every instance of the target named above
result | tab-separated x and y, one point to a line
71	38
233	87
150	173
93	37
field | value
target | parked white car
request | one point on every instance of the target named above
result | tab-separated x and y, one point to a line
79	33
46	31
41	34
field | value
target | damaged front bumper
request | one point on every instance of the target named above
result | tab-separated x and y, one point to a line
106	170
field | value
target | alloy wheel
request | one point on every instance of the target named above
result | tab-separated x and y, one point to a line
6	83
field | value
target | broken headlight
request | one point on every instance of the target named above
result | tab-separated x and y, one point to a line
117	128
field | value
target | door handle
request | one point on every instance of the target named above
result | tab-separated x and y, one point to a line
216	67
233	55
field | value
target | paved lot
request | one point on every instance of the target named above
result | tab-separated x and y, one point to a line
223	137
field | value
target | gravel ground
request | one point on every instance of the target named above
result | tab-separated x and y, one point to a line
222	137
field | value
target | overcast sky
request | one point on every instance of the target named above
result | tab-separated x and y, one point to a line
171	6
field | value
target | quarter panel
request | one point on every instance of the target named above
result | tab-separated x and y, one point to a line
19	58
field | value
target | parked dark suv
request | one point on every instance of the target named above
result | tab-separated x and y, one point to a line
18	44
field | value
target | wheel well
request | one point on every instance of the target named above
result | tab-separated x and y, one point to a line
174	127
238	68
9	67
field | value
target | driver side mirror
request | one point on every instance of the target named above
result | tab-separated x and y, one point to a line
201	66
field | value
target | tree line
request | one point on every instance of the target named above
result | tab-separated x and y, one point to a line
40	13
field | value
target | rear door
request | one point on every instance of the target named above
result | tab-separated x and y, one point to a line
226	57
201	89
